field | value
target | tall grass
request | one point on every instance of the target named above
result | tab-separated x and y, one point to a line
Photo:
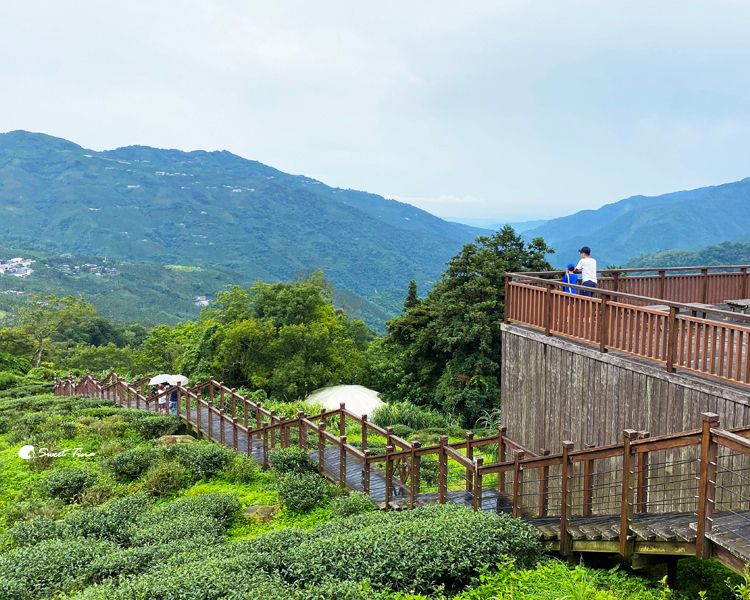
411	415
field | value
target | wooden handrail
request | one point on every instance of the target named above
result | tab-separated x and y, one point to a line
718	268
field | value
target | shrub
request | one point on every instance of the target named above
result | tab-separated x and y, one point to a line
97	494
290	460
355	503
154	426
165	478
219	507
411	415
47	567
422	549
130	464
402	431
197	529
67	483
130	561
429	471
9	380
205	459
109	449
113	521
27	533
242	469
300	492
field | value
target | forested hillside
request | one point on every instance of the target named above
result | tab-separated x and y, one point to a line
215	209
623	230
726	253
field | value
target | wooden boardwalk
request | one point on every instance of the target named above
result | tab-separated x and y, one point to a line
563	486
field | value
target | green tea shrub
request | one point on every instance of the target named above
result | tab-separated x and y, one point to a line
47	567
130	561
28	533
290	460
195	528
402	431
203	458
219	507
154	426
300	492
422	549
242	469
113	521
429	471
163	479
67	483
9	380
355	503
130	464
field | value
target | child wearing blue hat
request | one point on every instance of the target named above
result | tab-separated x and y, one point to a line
570	277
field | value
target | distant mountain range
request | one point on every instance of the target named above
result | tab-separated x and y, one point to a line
623	230
726	253
216	209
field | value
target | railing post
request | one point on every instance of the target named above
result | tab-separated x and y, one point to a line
366	472
258	418
505	300
478	462
704	286
221	426
265	443
604	324
744	285
548	310
518	482
245	410
416	465
588	477
442	471
470	456
388	476
543	486
501	457
234	433
210	418
628	497
342	461
662	285
302	430
321	446
641	493
566	496
342	419
364	433
706	484
273	431
615	282
672	340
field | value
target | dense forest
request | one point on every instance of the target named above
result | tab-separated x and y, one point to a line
288	339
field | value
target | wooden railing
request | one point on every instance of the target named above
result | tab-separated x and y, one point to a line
705	285
700	473
715	344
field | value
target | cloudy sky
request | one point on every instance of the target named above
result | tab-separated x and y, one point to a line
504	109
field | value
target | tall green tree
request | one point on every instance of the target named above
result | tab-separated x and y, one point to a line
449	344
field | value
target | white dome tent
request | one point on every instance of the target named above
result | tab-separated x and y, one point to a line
358	399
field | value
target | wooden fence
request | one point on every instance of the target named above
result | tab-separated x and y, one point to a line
699	339
689	473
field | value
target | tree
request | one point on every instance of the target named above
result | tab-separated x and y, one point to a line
45	315
450	343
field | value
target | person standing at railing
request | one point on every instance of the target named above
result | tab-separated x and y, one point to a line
587	268
161	390
570	277
173	401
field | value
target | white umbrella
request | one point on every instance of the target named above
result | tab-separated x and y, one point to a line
156	380
177	380
358	399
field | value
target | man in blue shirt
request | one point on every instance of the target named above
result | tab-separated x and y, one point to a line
570	277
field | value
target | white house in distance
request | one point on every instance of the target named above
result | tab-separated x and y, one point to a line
19	267
202	301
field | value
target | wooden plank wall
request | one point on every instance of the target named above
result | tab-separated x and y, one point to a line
555	390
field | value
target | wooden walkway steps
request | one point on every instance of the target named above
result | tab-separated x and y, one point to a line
608	499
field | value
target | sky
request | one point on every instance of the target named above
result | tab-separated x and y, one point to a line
494	111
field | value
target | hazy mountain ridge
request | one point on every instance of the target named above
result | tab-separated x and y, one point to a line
623	230
214	208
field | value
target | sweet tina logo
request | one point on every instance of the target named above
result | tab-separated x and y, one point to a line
28	452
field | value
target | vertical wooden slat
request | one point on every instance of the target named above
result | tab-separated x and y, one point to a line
442	471
671	339
517	482
628	501
566	495
478	462
321	446
366	472
342	460
265	444
388	476
501	457
588	481
364	429
706	484
470	456
642	485
416	465
543	486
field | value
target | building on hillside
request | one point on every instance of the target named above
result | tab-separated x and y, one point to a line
202	301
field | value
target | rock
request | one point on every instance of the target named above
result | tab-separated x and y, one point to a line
262	514
175	439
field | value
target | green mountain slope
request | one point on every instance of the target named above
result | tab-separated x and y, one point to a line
726	253
142	292
683	220
214	208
